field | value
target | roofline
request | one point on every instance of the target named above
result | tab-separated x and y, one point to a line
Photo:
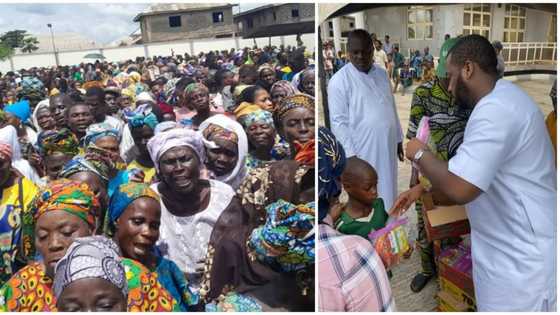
143	14
264	7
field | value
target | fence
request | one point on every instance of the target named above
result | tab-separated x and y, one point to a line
74	57
529	53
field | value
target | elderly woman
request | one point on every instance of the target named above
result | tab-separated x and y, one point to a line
63	212
267	77
198	98
226	148
307	82
280	90
17	194
257	95
134	219
261	133
190	206
42	117
295	118
56	149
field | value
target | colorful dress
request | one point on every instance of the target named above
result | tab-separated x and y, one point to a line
149	172
173	280
31	290
16	238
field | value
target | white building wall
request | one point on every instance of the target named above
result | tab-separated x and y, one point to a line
536	29
75	57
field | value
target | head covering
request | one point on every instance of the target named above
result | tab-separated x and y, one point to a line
284	86
233	302
20	109
236	176
80	164
163	141
130	93
164	126
286	242
332	160
247	114
42	104
441	71
66	195
140	117
145	97
497	45
294	101
238	90
99	130
62	140
91	257
194	86
135	77
125	195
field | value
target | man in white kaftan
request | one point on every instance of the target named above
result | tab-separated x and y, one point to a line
363	115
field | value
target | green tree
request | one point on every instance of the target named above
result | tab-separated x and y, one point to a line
29	44
5	51
13	39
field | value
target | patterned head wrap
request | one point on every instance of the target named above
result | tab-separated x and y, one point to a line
213	131
248	114
294	101
63	140
125	195
234	302
5	151
162	142
130	93
332	161
90	257
80	164
193	87
284	86
286	242
100	130
71	196
137	119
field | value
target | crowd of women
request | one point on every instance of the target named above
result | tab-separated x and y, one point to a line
181	183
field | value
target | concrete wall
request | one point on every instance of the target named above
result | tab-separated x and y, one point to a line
195	24
155	49
283	13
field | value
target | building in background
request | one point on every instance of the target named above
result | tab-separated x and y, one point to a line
167	22
528	31
276	20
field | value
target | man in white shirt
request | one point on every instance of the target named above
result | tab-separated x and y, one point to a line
504	173
379	55
363	114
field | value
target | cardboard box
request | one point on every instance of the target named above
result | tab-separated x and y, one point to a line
455	266
457	293
447	303
444	222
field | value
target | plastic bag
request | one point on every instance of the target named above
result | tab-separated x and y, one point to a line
391	242
423	134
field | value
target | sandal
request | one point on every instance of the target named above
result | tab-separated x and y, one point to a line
419	282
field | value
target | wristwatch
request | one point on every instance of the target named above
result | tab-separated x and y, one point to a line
418	155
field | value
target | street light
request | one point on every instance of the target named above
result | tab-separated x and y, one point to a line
49	25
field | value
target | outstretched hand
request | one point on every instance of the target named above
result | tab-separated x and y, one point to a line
405	200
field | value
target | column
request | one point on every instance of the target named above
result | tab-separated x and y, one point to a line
336	34
360	20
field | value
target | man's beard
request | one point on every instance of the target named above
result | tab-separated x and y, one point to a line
461	98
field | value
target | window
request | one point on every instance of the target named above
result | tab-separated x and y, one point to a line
274	16
420	23
476	19
551	37
175	21
295	13
514	23
351	25
218	17
249	23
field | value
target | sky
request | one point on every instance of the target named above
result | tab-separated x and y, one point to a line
101	22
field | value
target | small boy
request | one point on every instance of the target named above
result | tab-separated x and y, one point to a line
364	211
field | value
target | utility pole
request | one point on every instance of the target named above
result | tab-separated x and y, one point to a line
54	48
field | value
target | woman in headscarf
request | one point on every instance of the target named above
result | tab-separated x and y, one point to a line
16	196
42	117
62	212
142	125
134	218
280	90
257	95
267	77
261	134
278	272
198	98
295	118
93	265
56	149
307	82
226	148
190	206
18	115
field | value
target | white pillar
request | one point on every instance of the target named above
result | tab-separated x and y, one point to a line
283	41
360	20
336	34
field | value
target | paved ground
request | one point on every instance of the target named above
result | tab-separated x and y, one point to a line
406	300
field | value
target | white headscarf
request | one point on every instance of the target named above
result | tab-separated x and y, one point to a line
9	136
163	141
236	176
42	104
